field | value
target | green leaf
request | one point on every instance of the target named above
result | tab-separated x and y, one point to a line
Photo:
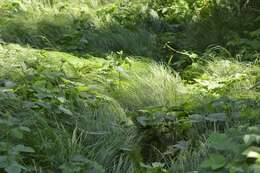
14	168
22	148
214	162
61	99
65	110
216	117
82	88
9	84
70	168
141	120
255	168
251	138
17	133
25	129
221	142
3	161
181	145
252	152
120	69
78	158
4	146
196	118
235	169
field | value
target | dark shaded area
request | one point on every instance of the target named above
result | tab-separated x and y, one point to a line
139	33
220	25
219	114
79	36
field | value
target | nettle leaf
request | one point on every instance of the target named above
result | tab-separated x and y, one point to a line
196	118
65	110
61	99
254	129
141	120
15	168
235	169
25	129
120	69
22	148
255	33
255	168
70	168
4	123
252	152
221	142
156	167
78	158
4	146
251	138
82	88
153	109
9	84
210	85
181	145
216	117
214	162
3	161
17	133
80	163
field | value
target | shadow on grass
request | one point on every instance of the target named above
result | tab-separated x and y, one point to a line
78	36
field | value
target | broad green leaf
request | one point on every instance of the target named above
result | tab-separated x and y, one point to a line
14	168
4	146
252	152
78	158
65	110
196	118
255	33
181	145
216	117
158	164
3	161
82	88
22	148
61	99
255	168
70	168
215	162
221	142
120	69
154	14
251	138
141	120
17	133
173	115
9	84
235	169
23	128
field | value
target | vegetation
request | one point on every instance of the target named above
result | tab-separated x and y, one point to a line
140	86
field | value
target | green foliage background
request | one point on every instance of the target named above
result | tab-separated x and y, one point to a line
132	86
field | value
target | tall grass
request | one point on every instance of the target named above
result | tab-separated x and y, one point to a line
71	27
155	86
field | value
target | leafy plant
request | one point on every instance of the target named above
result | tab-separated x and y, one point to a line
237	151
12	146
79	164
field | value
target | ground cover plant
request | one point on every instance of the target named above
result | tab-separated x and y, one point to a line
140	86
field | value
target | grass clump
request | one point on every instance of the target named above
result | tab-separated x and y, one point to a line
156	85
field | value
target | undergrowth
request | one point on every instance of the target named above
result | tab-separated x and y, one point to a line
129	86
